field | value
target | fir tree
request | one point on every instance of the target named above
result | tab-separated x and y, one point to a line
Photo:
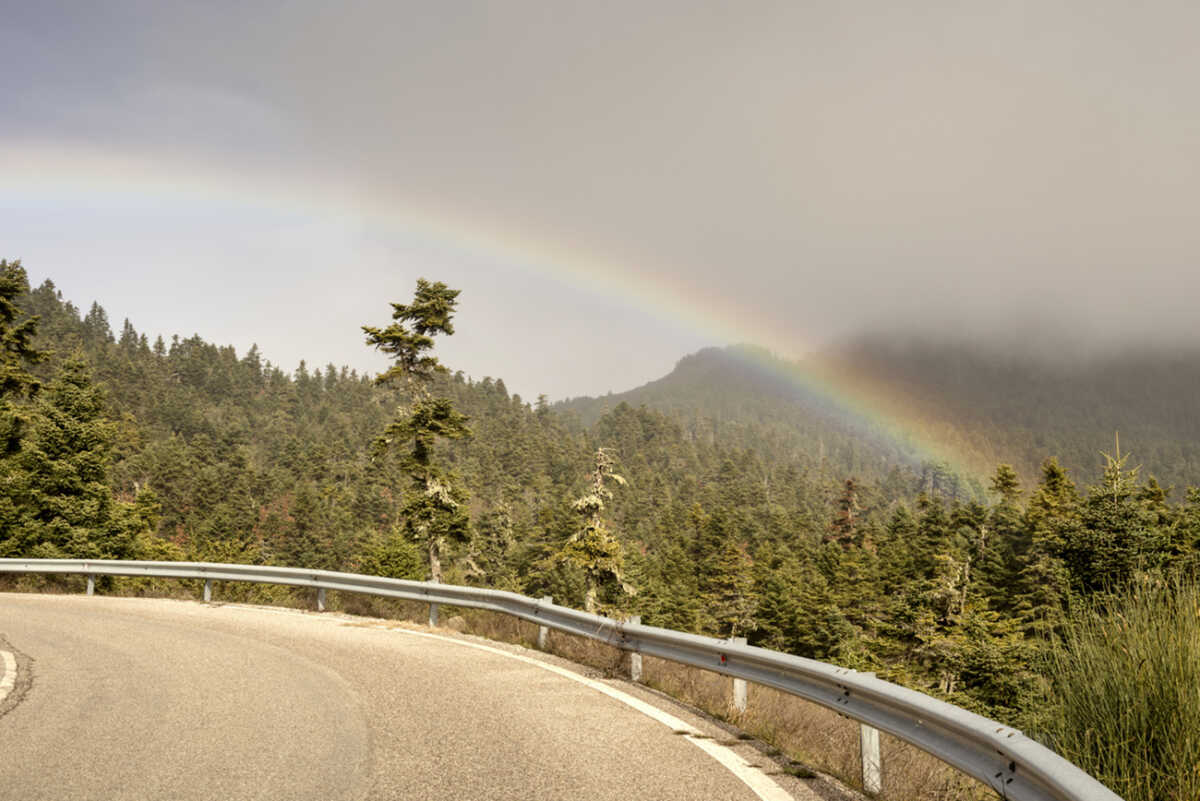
843	528
434	511
593	549
17	355
65	503
1117	536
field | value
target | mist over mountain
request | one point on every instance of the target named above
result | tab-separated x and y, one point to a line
985	401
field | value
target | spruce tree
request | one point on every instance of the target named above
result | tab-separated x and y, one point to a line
17	354
65	504
842	529
1119	535
593	549
1043	586
17	383
434	511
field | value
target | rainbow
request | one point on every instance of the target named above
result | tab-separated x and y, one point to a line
44	172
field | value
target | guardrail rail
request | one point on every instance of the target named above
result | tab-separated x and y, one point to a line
999	756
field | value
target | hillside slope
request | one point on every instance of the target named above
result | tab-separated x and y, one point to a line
983	405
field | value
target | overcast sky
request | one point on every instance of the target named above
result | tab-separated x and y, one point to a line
611	185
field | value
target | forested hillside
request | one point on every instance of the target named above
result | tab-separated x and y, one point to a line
1021	404
745	394
988	404
727	516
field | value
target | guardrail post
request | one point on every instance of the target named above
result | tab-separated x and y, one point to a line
635	659
739	686
871	773
868	742
91	585
433	616
320	599
544	631
208	591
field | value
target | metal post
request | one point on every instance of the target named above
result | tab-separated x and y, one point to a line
635	659
739	686
544	631
433	616
207	591
91	585
320	599
872	774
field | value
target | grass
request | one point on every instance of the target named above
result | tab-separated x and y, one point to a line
1125	692
812	737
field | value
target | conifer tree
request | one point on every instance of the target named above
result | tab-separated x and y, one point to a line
843	527
66	505
1186	539
491	547
17	355
434	510
729	589
592	548
1118	535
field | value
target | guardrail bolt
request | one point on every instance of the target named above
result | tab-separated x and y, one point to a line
739	686
544	631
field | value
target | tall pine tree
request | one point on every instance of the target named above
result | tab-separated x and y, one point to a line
434	512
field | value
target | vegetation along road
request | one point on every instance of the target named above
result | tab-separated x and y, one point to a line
137	698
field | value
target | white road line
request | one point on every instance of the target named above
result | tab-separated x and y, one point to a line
9	679
762	784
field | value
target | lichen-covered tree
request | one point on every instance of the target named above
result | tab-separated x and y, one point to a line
434	510
592	548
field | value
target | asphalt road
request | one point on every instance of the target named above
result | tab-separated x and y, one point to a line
149	699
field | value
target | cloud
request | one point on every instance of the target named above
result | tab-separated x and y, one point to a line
818	168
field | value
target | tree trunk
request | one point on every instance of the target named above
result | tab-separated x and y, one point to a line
435	561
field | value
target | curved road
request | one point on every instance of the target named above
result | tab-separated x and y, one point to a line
152	699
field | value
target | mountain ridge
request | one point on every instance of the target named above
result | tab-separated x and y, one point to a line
989	405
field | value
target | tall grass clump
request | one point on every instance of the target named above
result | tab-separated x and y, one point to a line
1125	691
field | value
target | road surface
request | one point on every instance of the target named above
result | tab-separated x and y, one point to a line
152	699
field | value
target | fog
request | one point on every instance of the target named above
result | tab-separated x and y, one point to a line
679	174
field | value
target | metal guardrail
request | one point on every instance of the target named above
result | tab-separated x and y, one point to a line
999	756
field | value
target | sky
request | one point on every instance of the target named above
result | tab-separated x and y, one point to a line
611	185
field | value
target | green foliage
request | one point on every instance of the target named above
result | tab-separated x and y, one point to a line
592	549
410	336
434	511
58	490
17	332
18	355
1122	698
1119	532
392	556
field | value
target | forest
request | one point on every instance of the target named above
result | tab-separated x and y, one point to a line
776	518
